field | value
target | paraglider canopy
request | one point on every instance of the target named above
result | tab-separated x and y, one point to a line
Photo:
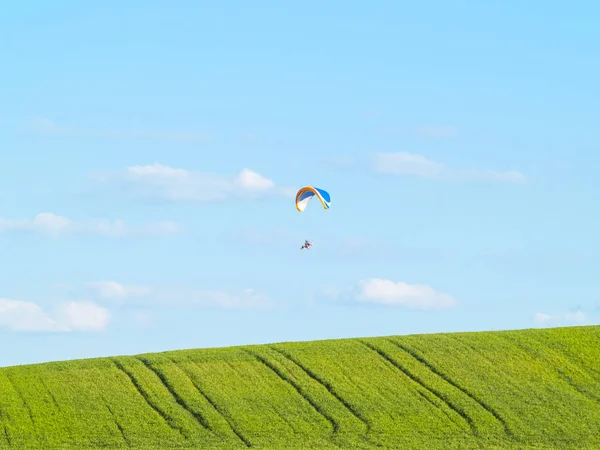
305	194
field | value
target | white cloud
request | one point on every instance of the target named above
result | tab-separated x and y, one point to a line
247	179
54	225
84	316
437	131
390	293
542	319
407	164
48	126
169	183
26	316
246	299
410	164
387	292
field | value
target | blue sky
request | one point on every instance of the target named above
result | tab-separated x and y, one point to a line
150	155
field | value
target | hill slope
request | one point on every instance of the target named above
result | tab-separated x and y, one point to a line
510	389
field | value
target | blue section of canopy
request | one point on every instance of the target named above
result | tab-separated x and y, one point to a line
306	193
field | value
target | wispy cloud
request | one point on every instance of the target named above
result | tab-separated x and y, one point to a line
281	237
116	291
48	126
141	318
415	165
55	225
385	292
372	113
442	131
245	299
576	317
176	184
340	162
352	247
18	315
250	137
264	236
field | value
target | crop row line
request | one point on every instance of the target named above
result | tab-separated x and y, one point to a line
181	402
335	426
146	397
449	380
421	383
214	405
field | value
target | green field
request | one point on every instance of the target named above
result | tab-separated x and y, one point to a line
510	389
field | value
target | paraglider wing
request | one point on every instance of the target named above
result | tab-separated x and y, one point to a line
305	195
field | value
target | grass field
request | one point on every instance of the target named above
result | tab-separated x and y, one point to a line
537	389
